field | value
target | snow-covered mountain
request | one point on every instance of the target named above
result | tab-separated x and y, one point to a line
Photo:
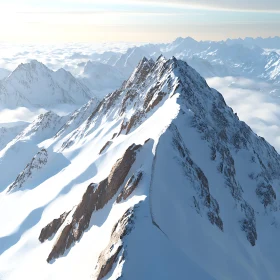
161	180
267	43
209	58
33	84
4	73
7	134
102	78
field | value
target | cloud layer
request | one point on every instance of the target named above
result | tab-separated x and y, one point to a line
248	5
67	56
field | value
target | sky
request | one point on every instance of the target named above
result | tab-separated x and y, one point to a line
53	21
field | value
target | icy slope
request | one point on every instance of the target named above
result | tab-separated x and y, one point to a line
4	73
34	84
161	180
7	134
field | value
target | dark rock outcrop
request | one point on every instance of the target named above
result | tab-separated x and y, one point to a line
156	101
135	119
115	248
198	180
107	145
248	224
48	231
266	194
37	163
94	199
130	186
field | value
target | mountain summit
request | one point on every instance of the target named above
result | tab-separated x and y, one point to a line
160	181
33	84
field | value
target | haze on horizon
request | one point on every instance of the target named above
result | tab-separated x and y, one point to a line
61	21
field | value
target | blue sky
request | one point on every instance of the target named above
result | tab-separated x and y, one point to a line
136	21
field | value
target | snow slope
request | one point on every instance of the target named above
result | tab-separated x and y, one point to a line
7	134
4	73
159	181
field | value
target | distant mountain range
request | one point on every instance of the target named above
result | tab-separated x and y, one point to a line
33	84
211	59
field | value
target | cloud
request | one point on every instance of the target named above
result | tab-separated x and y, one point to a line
20	114
70	56
237	5
254	103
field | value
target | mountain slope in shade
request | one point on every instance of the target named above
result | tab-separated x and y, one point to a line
161	180
33	84
4	73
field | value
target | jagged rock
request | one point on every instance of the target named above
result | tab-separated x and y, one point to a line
266	194
123	126
114	135
77	118
94	199
136	118
130	186
248	225
198	180
48	231
107	266
156	101
110	254
37	162
108	144
142	70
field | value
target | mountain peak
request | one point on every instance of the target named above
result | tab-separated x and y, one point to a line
34	84
122	187
141	71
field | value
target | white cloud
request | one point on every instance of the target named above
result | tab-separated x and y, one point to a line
254	104
20	114
248	5
57	56
237	5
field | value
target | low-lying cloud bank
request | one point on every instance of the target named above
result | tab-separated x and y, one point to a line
20	114
67	56
256	103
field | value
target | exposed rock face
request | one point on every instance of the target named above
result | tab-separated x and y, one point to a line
37	162
248	224
48	231
199	181
109	256
107	145
144	67
94	199
77	118
156	101
266	194
130	186
43	127
135	119
124	125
